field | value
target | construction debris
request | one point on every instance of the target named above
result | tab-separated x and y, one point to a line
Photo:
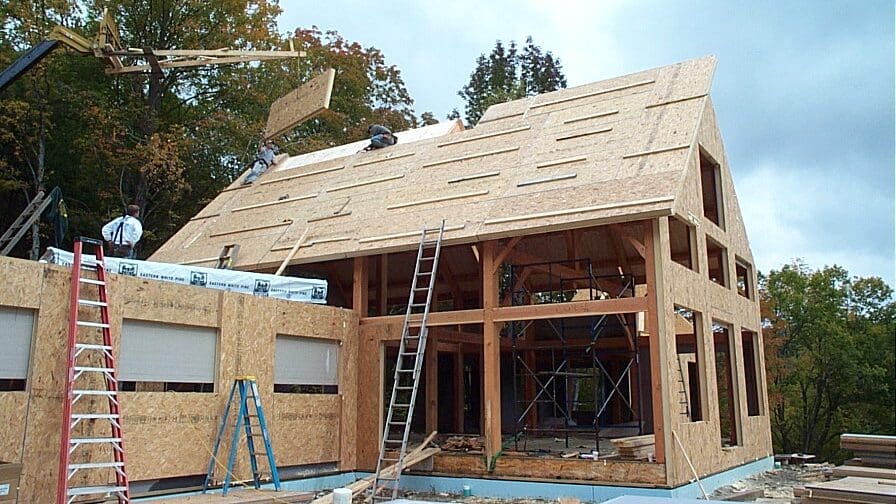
415	456
851	489
463	444
636	447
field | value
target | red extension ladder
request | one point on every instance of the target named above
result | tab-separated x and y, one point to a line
91	434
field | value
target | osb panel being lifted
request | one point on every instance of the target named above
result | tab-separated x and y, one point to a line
301	104
609	151
169	434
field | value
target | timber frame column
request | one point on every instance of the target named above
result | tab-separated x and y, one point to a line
491	354
359	286
656	322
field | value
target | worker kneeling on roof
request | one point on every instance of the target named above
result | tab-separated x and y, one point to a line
265	159
380	136
123	233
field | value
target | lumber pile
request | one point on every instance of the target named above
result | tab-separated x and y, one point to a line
870	450
634	448
864	472
413	457
462	443
850	489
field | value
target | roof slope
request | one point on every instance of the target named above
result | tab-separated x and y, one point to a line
609	151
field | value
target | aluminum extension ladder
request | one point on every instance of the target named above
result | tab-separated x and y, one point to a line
23	222
88	429
408	365
247	387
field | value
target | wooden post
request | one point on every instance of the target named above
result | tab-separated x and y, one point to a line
491	354
431	364
459	390
384	288
359	287
653	267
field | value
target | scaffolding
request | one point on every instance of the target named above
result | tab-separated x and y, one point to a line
556	381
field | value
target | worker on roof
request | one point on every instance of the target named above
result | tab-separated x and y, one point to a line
263	161
380	136
123	233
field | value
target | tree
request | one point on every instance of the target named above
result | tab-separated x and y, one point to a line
170	142
830	342
508	74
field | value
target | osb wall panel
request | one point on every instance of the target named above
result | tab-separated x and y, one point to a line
171	434
694	290
369	400
12	404
653	110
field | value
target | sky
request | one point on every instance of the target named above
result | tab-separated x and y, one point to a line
803	91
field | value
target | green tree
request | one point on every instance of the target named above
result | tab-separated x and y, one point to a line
508	74
830	345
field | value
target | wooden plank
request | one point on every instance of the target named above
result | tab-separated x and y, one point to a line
474	177
300	175
363	183
200	217
292	252
677	100
449	197
656	151
300	104
431	364
393	236
573	309
388	157
568	211
591	116
491	353
487	135
565	176
442	318
327	217
470	156
276	202
286	222
459	390
557	162
865	472
584	134
593	93
311	243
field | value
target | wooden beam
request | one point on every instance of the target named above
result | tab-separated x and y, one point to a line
359	287
459	391
383	290
506	251
566	310
491	354
653	267
431	365
444	318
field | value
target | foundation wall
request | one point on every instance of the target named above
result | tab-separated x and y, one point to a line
171	434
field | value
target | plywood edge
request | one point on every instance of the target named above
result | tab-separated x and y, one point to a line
486	135
584	134
593	93
557	162
300	175
569	211
405	234
656	151
364	183
275	202
388	157
545	180
591	116
475	176
470	156
254	228
676	100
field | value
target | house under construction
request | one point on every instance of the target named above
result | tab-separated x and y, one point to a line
595	284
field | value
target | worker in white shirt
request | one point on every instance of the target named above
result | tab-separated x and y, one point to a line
124	232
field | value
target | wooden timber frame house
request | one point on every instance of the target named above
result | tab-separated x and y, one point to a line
596	279
595	283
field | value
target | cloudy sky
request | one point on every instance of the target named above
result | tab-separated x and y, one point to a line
804	92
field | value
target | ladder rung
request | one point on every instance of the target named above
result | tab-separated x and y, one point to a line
90	302
394	441
91	281
95	465
417	305
401	405
88	416
95	440
398	423
92	324
96	369
88	346
94	392
87	490
260	453
428	258
403	388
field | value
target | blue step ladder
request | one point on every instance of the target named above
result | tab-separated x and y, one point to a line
254	426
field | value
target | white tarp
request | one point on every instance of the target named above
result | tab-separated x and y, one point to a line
307	290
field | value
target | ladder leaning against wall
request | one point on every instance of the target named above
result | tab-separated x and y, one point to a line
407	367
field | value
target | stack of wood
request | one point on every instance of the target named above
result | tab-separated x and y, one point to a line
635	448
870	450
851	489
462	443
413	457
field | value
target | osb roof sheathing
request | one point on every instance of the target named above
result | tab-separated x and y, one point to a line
610	151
